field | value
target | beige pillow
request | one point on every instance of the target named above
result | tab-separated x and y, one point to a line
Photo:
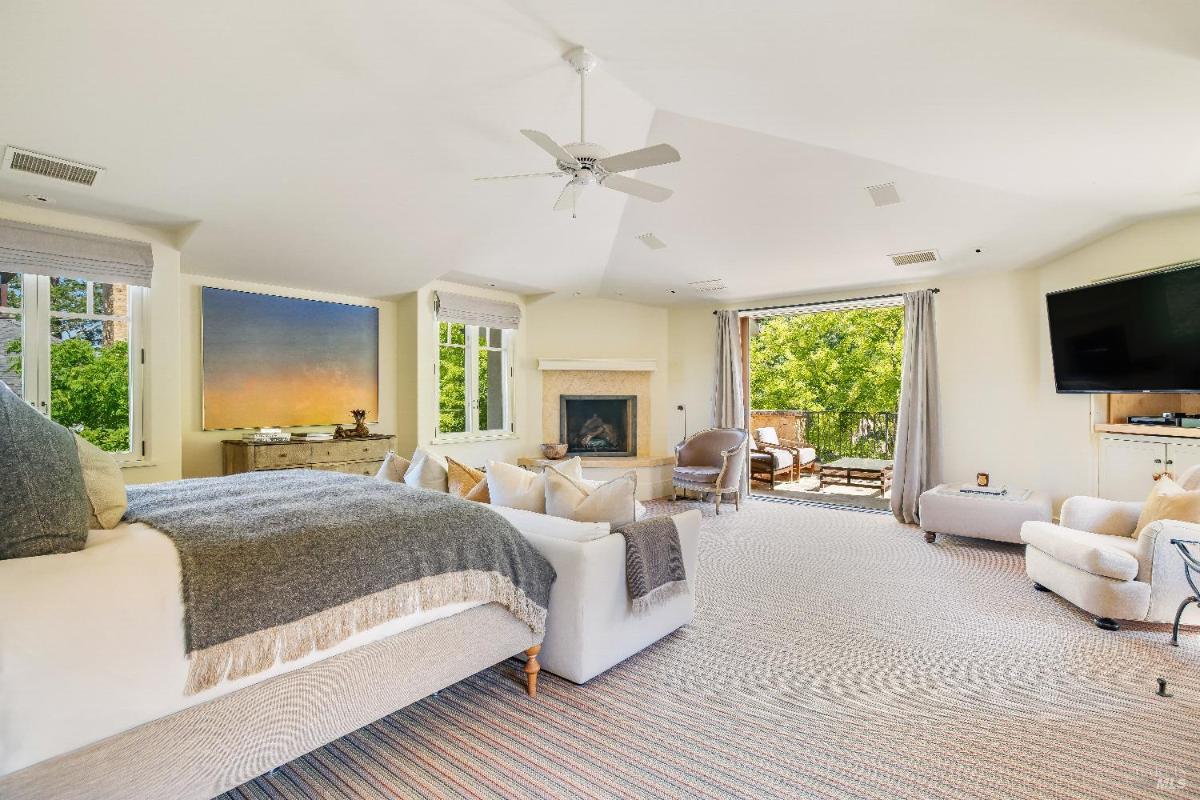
393	468
466	482
571	467
104	484
1169	500
427	472
513	487
612	502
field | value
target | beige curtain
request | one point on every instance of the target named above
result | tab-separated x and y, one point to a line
728	408
918	425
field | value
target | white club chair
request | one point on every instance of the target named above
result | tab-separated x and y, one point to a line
1092	560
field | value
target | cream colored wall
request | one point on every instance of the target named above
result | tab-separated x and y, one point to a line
1000	412
597	328
201	450
162	375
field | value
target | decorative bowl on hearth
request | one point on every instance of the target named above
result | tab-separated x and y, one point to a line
554	450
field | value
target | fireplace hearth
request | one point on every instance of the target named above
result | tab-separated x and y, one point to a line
598	424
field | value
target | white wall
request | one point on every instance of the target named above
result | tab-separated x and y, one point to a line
161	336
1000	412
201	450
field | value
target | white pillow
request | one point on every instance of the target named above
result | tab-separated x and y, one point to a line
531	524
612	502
427	471
572	467
512	486
393	468
638	507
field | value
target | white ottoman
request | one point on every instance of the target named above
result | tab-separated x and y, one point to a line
944	509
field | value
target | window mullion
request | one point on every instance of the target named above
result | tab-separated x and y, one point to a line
471	376
40	330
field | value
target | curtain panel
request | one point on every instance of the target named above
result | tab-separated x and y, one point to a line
470	310
918	463
729	410
58	253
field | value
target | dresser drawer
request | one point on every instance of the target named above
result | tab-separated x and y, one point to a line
368	468
349	450
274	456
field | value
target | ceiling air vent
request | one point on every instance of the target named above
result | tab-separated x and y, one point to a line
883	194
45	166
704	287
652	241
916	257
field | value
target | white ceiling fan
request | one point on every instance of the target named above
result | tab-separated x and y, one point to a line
589	164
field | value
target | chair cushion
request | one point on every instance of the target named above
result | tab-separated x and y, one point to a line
697	474
1108	556
807	455
782	458
767	435
1169	500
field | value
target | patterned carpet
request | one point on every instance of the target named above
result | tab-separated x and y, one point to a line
834	654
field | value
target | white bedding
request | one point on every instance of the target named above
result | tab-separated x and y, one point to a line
91	644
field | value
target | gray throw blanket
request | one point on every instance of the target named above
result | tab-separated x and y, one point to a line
654	569
278	563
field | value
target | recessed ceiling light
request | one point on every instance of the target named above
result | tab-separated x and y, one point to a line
39	198
492	285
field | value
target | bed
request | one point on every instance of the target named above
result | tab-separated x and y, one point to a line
94	675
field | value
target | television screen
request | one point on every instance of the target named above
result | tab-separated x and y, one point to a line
1139	334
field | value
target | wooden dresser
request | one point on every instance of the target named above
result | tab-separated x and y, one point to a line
353	456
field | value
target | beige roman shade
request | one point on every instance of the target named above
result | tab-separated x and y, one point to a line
60	253
469	310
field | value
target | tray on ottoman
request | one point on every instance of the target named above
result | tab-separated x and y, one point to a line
946	509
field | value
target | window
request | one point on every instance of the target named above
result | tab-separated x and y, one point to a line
68	347
476	400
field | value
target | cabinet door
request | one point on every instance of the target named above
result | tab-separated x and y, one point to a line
1181	458
1128	468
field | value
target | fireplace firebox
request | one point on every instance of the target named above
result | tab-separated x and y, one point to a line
598	424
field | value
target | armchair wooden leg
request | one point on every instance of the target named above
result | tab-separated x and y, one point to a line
532	668
737	500
718	504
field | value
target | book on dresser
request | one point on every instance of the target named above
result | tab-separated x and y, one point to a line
354	456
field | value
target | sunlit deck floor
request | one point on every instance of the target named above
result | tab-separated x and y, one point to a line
805	488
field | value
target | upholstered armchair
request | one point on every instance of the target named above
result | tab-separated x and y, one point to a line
772	457
1092	560
711	461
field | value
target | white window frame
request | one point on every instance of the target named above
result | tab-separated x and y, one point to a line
35	352
471	388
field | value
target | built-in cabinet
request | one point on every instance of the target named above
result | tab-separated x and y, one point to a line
1130	464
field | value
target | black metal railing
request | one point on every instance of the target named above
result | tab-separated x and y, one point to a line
840	434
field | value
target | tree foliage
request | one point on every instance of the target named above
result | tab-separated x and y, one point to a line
828	361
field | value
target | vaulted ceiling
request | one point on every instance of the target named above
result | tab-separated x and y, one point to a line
333	145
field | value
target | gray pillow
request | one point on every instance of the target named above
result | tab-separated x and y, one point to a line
44	506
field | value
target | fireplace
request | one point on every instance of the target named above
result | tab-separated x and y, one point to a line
598	424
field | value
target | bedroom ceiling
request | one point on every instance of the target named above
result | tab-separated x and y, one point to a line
332	146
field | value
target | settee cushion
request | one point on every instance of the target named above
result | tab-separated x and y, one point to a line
1095	553
1169	500
509	485
612	501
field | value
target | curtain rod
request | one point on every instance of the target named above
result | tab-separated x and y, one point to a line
826	302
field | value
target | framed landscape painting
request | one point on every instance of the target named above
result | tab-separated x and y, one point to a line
272	361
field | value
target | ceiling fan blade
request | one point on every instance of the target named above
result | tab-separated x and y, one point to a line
566	200
552	147
646	191
636	159
522	175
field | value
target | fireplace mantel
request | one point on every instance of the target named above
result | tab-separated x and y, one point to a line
601	364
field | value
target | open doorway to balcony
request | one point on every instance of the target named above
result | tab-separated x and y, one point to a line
824	387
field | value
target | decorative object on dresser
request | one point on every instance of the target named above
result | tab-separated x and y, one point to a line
355	456
994	513
359	431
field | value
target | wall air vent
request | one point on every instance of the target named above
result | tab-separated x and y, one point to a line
706	287
916	257
883	194
652	241
61	169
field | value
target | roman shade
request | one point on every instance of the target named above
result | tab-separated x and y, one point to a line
469	310
60	253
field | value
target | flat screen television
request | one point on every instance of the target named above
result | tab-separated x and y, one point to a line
1139	334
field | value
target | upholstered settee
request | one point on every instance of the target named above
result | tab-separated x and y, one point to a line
591	625
1093	560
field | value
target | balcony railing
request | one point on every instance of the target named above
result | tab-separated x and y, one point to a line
835	434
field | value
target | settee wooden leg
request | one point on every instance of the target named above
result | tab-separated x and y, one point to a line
1107	624
1040	588
532	668
930	536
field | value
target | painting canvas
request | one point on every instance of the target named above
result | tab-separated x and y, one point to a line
286	362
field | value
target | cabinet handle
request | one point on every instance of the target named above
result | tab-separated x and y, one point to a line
1158	461
1170	461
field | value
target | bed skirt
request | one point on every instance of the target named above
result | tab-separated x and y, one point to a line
208	749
